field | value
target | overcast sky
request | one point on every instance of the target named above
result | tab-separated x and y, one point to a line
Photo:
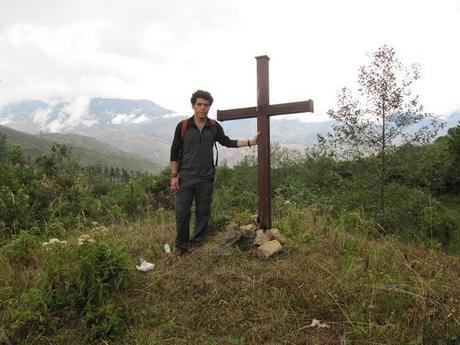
164	50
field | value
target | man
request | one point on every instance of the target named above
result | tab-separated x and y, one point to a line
192	158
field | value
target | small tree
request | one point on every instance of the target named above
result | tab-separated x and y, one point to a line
383	114
453	142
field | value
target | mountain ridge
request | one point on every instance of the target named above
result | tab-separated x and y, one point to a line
89	150
145	128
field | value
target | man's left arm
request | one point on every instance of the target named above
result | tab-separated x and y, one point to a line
226	141
249	142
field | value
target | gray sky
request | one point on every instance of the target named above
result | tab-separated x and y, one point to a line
164	50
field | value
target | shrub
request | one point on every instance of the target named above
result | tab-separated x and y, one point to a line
19	250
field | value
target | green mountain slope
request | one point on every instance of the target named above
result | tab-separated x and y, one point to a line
89	150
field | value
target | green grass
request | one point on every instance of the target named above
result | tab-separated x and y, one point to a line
368	290
451	204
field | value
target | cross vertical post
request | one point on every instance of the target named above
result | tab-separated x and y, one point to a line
263	111
263	148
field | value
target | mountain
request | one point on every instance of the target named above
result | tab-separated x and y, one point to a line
89	150
140	126
144	128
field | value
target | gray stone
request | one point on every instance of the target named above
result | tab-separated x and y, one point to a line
230	237
248	231
261	238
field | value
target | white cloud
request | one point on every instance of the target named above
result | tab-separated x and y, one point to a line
129	118
41	117
163	51
141	119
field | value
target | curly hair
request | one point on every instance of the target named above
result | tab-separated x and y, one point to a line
201	94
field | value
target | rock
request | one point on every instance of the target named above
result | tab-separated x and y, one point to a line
231	227
261	238
223	251
230	238
274	234
269	248
248	231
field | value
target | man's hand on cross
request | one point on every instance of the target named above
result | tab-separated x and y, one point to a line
254	140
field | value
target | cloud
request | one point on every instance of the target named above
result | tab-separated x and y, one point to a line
73	114
41	117
129	118
163	51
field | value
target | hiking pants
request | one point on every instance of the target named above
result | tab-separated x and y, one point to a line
200	190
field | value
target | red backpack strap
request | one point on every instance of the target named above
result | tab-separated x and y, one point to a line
212	122
183	127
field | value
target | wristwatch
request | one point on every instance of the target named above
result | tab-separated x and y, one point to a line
173	174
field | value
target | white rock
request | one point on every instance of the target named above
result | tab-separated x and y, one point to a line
274	234
269	248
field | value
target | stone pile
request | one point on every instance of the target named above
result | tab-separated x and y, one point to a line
265	243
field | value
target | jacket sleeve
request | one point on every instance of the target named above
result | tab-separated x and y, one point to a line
176	146
224	140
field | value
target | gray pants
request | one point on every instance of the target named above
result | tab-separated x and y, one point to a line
200	190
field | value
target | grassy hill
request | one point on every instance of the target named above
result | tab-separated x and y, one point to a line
366	290
89	150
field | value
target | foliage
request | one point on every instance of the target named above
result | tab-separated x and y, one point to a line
20	249
383	115
453	142
54	194
76	287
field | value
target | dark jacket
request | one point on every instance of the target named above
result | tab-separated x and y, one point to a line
194	151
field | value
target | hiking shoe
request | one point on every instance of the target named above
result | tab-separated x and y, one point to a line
179	252
196	244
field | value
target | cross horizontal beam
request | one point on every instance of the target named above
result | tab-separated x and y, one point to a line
268	110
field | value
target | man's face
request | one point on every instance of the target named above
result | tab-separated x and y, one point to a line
201	108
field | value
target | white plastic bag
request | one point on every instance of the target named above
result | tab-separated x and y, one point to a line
145	266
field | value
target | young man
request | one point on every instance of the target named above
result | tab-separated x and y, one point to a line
192	158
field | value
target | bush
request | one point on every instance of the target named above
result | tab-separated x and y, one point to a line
356	221
20	249
29	313
85	276
77	287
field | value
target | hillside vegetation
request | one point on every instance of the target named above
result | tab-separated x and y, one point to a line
90	152
368	285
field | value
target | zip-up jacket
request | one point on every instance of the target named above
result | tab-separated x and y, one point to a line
194	149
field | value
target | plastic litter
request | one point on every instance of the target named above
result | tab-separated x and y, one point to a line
318	324
145	266
167	249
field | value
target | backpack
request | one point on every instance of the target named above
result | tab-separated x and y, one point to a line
183	128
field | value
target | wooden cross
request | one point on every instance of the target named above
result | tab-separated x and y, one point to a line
263	111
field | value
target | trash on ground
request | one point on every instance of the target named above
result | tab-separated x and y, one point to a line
145	266
318	324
